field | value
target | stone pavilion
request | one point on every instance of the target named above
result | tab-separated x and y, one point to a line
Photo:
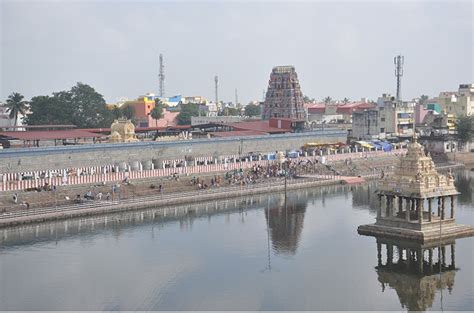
416	202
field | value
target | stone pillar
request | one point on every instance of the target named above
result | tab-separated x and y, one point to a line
442	207
407	210
400	205
452	206
408	258
430	258
379	209
430	217
413	204
419	208
379	253
443	256
389	254
419	259
400	254
439	206
453	263
387	208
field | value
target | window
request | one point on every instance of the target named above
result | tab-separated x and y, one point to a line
382	130
382	119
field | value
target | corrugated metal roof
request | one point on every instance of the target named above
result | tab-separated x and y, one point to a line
49	134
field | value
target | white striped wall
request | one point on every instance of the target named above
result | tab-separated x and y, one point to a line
96	175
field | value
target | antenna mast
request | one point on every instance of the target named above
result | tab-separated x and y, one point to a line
216	81
161	76
236	98
398	61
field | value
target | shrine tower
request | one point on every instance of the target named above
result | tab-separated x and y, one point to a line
413	201
284	98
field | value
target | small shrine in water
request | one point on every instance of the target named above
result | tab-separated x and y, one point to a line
416	202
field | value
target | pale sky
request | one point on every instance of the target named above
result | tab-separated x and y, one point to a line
340	49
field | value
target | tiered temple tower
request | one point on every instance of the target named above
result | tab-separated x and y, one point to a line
413	201
284	98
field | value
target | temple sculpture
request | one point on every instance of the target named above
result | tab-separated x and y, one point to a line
416	202
122	130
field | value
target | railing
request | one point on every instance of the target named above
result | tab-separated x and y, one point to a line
176	197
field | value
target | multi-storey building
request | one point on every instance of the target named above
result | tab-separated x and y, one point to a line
459	102
395	118
284	97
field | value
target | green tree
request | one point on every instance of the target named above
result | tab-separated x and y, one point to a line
186	112
345	100
51	110
252	110
117	113
327	100
465	129
128	112
230	112
16	106
81	106
156	113
423	99
89	107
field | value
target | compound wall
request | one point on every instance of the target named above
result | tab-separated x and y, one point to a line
44	158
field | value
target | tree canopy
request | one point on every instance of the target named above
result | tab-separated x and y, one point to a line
81	106
157	112
16	105
252	110
465	129
187	111
227	111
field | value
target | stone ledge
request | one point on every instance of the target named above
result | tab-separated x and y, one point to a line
449	232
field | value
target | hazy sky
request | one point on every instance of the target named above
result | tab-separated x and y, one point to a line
339	49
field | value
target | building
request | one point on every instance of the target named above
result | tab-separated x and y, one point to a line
395	118
6	121
365	124
143	106
459	103
284	97
194	99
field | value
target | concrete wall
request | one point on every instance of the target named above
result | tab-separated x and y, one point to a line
43	158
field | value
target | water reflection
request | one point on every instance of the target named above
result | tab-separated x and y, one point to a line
464	183
416	271
285	220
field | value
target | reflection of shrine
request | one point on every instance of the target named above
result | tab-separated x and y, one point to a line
416	201
286	225
415	271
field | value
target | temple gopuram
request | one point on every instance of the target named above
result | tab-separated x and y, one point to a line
284	98
416	202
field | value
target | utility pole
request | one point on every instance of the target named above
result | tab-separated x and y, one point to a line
398	61
161	76
236	98
216	82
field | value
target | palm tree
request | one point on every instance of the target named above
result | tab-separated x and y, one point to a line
345	100
156	113
16	105
327	100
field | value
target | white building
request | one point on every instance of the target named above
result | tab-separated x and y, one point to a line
6	121
459	102
395	119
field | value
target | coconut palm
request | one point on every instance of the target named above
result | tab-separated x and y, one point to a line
345	100
327	100
156	113
16	106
